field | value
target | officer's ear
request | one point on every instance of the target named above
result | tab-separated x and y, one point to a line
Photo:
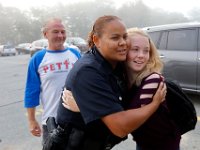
97	41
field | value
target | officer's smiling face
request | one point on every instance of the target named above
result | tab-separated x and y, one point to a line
112	44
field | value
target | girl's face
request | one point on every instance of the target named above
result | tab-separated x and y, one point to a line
138	54
112	44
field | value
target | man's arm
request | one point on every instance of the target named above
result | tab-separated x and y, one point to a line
34	126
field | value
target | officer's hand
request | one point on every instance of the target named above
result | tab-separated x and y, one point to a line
69	102
159	97
34	128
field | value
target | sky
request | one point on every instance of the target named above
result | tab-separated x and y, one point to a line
182	6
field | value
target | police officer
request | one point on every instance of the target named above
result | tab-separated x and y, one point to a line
102	121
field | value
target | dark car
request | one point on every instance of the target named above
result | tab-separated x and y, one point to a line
79	42
179	48
23	48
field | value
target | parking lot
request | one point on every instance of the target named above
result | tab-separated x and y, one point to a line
14	128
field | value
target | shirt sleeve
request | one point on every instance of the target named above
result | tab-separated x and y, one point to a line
149	87
32	89
75	52
95	94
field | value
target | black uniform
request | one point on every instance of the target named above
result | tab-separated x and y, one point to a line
97	92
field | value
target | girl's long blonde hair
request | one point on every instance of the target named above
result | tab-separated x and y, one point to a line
154	64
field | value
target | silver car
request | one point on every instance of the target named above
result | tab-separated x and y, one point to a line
79	42
43	43
38	45
7	50
179	48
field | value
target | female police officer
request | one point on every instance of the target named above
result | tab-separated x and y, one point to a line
94	82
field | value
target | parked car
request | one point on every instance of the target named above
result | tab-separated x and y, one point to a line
7	50
38	45
43	43
23	48
79	42
72	46
179	48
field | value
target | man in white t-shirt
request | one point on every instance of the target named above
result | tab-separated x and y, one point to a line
47	72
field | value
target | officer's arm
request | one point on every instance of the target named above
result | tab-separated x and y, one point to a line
123	123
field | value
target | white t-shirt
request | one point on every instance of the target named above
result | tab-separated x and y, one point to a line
46	77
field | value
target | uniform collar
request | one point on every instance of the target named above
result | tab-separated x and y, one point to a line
102	60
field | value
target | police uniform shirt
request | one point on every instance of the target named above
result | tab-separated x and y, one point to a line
95	89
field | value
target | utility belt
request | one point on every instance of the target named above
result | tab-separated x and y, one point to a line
68	137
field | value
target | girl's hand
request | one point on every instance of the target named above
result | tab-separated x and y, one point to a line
69	101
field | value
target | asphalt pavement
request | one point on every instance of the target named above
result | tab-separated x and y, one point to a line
14	133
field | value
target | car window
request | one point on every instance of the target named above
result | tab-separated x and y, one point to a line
36	43
79	40
44	44
7	46
182	39
199	42
163	40
40	43
155	37
75	40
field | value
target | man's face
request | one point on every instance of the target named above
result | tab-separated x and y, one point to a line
56	35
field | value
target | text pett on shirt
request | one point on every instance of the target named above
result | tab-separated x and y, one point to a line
47	72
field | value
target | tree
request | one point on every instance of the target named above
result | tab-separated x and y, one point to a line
25	26
194	14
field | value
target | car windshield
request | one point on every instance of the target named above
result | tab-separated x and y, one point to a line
76	40
24	45
7	46
42	43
